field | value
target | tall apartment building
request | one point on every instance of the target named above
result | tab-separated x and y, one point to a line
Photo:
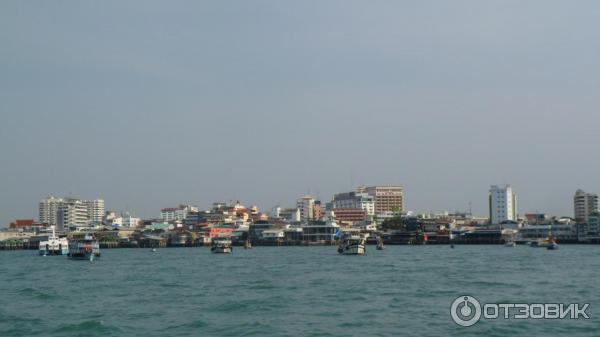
356	200
387	198
584	205
306	205
502	204
48	210
95	210
70	211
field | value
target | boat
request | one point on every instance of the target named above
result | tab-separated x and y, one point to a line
54	245
221	246
380	245
352	245
552	245
510	244
87	248
153	250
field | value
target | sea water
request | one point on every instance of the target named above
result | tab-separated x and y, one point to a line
293	291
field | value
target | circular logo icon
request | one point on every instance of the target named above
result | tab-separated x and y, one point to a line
465	310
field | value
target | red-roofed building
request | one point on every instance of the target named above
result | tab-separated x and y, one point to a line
22	223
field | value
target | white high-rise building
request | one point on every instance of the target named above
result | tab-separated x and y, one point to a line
584	205
95	210
306	205
48	210
503	204
360	200
72	213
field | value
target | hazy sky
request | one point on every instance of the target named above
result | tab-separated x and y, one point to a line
149	104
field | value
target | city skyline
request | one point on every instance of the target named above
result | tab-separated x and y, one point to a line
148	105
156	212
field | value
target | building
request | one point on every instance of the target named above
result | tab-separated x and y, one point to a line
319	210
354	200
584	205
173	214
502	204
72	213
289	214
48	210
95	210
306	205
386	198
71	209
350	215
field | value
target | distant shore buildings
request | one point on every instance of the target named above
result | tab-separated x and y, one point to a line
378	211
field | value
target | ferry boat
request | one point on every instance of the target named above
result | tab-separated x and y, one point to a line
54	245
87	248
221	246
352	245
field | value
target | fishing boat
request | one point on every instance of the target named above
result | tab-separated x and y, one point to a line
87	248
221	246
352	245
54	245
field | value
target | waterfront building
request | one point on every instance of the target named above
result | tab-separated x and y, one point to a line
350	215
560	231
319	210
173	213
306	205
290	214
48	210
502	204
386	198
95	210
354	200
584	205
72	213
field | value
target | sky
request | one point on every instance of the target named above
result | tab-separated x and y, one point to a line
149	104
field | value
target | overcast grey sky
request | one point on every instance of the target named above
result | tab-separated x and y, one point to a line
148	104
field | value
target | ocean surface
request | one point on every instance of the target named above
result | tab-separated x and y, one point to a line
293	291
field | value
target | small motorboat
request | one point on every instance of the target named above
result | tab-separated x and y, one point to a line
153	250
510	244
221	246
380	245
552	245
352	245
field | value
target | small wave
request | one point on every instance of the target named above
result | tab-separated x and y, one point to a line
36	293
87	328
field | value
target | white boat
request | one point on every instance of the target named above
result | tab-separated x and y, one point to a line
221	246
510	244
54	245
87	248
352	245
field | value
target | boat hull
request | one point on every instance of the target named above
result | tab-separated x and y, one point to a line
221	250
84	256
46	252
353	250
